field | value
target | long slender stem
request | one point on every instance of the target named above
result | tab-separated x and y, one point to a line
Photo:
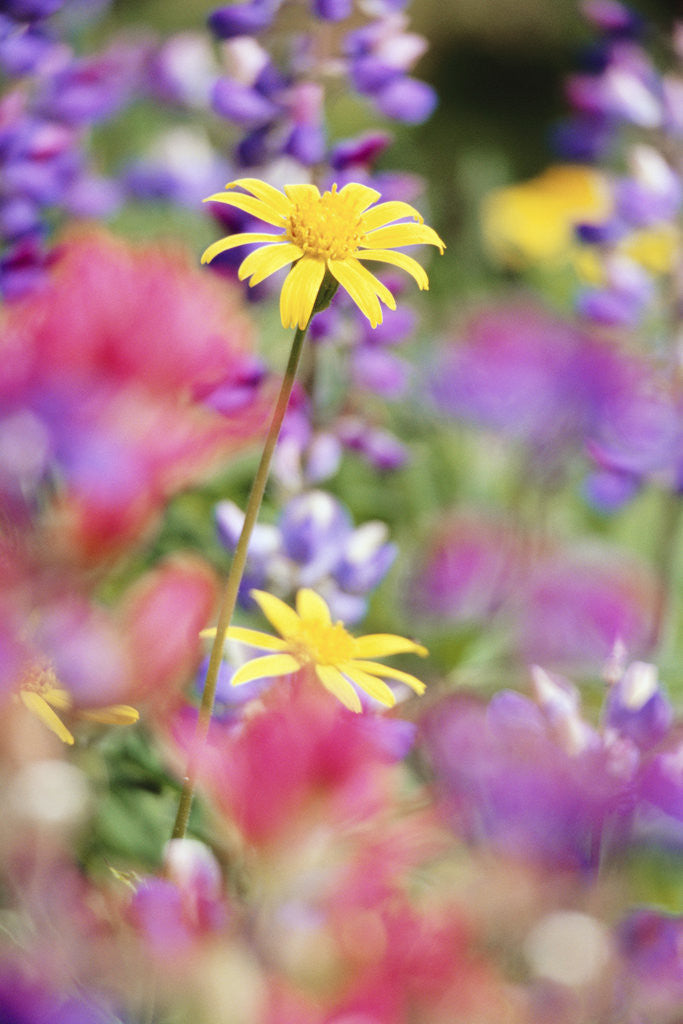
234	579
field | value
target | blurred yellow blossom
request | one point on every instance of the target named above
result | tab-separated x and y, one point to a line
533	222
41	693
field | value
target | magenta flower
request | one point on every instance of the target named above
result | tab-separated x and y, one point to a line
116	363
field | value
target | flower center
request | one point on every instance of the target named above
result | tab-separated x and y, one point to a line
39	677
326	228
322	644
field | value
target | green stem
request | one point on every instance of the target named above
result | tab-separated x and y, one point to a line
229	601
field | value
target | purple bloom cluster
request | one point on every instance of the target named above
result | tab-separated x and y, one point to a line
281	109
621	95
533	779
45	117
314	544
560	390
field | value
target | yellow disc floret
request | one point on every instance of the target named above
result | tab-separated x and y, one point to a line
326	226
318	643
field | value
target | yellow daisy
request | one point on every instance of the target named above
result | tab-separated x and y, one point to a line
42	695
330	233
309	639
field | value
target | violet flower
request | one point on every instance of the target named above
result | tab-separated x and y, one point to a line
533	779
314	544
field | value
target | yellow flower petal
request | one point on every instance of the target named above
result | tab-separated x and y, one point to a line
391	673
256	207
253	637
334	681
300	291
267	667
310	605
262	190
396	235
359	290
385	213
42	710
56	697
113	714
261	263
381	645
397	259
301	193
232	241
373	686
280	615
360	196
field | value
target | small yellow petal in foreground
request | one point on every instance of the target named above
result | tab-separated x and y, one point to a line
41	694
309	638
323	235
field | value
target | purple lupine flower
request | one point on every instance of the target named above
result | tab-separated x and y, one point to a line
614	18
609	490
507	781
91	89
182	70
639	432
241	104
572	609
332	10
314	544
636	706
26	1001
379	447
361	151
649	984
367	557
31	10
181	166
406	99
25	52
242	19
524	372
314	528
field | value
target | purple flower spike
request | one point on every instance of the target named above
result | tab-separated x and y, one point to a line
241	19
366	560
314	528
363	150
306	144
637	708
241	104
370	75
332	10
650	945
613	18
609	490
407	99
31	10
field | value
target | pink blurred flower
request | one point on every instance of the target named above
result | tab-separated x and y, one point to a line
115	362
295	751
162	615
